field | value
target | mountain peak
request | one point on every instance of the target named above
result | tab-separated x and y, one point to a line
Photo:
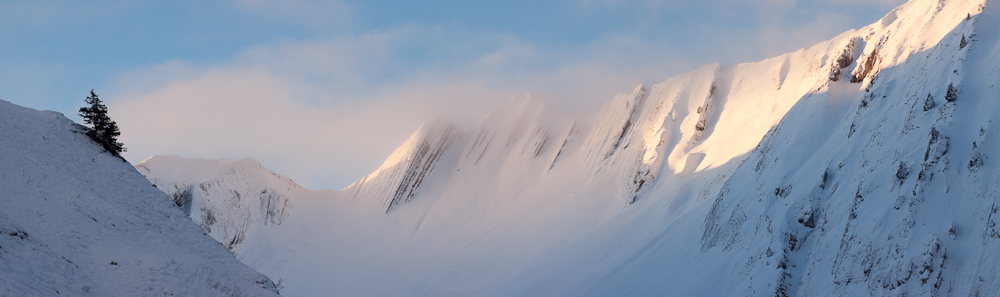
401	175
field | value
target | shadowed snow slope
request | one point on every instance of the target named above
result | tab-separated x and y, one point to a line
77	221
860	166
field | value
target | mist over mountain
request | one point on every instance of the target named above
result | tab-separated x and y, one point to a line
862	165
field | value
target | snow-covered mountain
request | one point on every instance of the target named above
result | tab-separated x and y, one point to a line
77	221
860	166
243	194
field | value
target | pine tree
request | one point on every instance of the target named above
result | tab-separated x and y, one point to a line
104	130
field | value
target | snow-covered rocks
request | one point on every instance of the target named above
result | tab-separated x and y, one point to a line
243	194
77	221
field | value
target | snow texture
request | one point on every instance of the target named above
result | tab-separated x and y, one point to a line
77	221
862	166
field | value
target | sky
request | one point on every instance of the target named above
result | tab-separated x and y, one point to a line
324	91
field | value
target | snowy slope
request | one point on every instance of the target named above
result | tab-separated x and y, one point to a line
80	222
860	166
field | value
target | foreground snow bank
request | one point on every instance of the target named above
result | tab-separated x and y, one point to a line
80	222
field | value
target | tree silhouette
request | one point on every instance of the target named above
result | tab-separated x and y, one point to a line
104	131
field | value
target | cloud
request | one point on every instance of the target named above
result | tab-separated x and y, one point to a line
253	113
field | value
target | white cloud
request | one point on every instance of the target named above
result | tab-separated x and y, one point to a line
253	113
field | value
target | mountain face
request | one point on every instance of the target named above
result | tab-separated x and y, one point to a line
860	166
77	221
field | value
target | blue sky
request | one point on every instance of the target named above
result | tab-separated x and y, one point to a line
322	91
